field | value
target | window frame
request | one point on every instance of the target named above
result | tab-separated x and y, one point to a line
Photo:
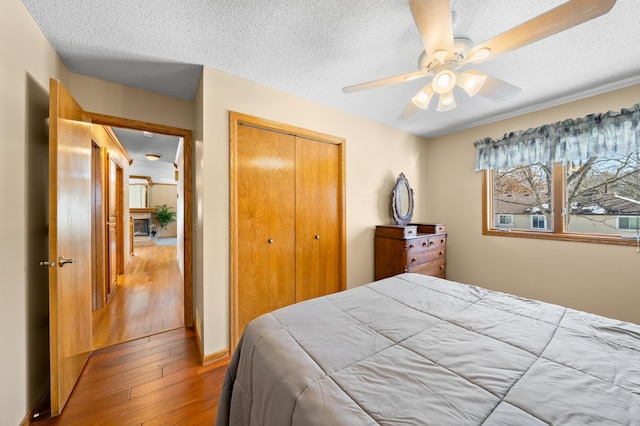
559	231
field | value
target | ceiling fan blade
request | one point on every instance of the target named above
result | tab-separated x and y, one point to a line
409	111
563	17
433	19
385	82
497	90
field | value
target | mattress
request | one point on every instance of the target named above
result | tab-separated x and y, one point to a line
419	350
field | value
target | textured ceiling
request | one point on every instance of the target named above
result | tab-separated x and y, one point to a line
313	48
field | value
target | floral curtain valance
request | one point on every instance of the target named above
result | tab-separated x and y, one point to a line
614	132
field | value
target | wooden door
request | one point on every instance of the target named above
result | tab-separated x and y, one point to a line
112	226
318	205
69	242
265	230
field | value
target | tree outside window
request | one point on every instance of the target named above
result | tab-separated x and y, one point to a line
602	196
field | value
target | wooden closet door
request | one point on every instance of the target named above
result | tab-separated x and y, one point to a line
317	218
266	211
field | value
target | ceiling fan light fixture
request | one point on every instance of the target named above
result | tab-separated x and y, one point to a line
152	157
471	82
446	101
423	98
444	80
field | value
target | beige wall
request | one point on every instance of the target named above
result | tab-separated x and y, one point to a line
121	101
165	194
593	277
375	155
26	63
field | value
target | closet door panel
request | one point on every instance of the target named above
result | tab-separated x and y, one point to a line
317	218
266	208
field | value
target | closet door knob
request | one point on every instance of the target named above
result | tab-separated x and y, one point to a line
270	240
317	237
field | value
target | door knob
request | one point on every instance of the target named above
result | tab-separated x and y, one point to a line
270	240
317	237
62	261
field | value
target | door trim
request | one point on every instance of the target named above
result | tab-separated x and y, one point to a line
187	135
238	119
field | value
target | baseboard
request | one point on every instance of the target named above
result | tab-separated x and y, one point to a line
215	360
217	357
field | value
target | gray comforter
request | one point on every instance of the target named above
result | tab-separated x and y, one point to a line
418	350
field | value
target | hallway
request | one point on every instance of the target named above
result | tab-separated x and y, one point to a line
148	299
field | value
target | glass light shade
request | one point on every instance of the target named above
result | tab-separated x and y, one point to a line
423	98
471	82
446	101
444	80
152	157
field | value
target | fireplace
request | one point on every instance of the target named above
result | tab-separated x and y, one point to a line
141	224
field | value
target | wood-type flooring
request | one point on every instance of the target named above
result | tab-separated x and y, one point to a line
147	300
146	367
156	380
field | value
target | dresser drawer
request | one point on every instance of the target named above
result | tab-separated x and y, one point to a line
425	249
418	256
435	269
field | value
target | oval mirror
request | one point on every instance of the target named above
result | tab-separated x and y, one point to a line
402	201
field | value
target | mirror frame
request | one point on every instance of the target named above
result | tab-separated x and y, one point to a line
149	184
401	217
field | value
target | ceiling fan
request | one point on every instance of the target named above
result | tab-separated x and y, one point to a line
444	55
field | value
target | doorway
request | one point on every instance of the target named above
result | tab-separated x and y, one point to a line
142	257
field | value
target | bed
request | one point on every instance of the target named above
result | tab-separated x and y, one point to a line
419	350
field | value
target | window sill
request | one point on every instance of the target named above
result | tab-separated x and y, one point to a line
583	238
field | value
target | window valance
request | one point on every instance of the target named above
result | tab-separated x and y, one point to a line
613	132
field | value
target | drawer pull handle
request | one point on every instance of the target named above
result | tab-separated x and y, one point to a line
441	253
409	232
430	243
424	244
441	241
410	246
441	267
413	260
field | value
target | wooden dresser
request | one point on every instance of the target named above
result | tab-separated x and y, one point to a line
418	248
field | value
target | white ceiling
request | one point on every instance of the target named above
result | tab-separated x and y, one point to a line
138	144
313	48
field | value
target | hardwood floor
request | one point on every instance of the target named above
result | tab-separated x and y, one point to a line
156	380
145	367
147	300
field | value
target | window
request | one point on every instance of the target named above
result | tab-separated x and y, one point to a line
593	200
538	221
505	220
520	192
630	223
577	179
